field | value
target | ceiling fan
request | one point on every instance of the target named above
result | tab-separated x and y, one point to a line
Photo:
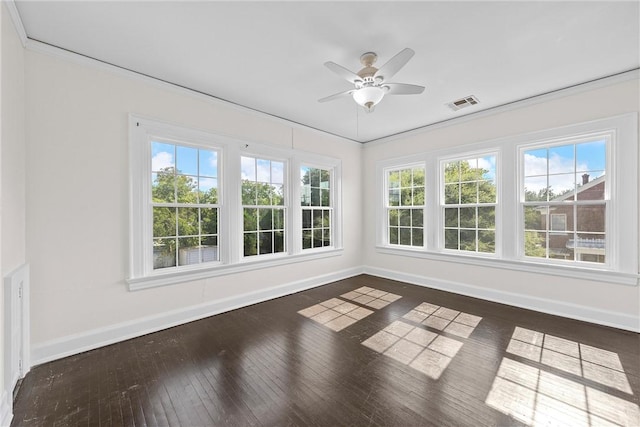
371	82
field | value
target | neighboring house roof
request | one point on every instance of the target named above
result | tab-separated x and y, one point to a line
581	188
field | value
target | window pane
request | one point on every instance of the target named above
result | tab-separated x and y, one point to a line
394	234
486	192
417	237
188	223
452	172
249	193
451	217
278	241
250	219
208	190
418	196
317	238
405	178
534	244
417	217
591	218
162	157
394	217
189	251
278	219
263	170
163	188
265	243
468	192
591	185
164	222
187	189
418	177
306	218
535	162
306	239
265	219
405	217
405	236
394	197
486	241
591	156
467	217
187	160
250	244
394	179
561	187
589	247
277	173
325	197
305	195
263	192
451	238
533	218
317	218
535	188
277	195
315	196
208	163
248	168
164	253
561	160
406	197
326	237
209	219
487	217
467	240
452	193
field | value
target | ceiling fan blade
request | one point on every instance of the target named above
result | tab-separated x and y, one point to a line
403	89
336	96
393	65
350	76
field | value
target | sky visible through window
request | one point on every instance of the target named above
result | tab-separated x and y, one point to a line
561	167
186	161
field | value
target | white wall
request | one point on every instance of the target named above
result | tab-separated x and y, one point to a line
13	148
77	190
603	302
12	174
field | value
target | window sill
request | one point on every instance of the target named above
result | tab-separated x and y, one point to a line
173	277
586	273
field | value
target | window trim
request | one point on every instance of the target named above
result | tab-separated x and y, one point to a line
387	206
442	161
622	159
230	219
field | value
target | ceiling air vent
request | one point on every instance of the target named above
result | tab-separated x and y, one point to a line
467	101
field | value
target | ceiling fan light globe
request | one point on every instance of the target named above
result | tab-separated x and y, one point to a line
369	96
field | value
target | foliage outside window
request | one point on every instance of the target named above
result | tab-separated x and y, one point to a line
315	200
470	204
263	206
565	181
405	206
185	205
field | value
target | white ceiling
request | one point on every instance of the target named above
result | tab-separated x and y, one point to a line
269	56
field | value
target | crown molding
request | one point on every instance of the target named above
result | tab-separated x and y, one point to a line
17	21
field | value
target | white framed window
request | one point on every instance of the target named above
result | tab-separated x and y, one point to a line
204	205
469	199
565	187
521	214
405	205
316	191
264	206
185	203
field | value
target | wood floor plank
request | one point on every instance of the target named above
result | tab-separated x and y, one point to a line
266	365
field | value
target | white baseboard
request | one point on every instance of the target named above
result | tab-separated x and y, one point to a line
6	409
78	343
544	305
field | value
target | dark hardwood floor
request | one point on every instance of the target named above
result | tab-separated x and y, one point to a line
333	357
